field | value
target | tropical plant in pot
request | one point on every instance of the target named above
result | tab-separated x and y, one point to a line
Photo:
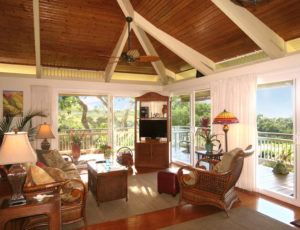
207	136
284	157
76	139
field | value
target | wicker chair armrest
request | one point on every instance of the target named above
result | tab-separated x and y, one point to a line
81	193
44	188
207	160
180	175
68	157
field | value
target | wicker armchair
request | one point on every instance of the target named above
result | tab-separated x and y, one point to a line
209	187
72	205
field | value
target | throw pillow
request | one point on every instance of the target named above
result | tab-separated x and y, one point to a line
224	164
51	158
56	174
40	164
39	176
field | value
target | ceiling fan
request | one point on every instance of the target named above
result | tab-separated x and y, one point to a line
133	55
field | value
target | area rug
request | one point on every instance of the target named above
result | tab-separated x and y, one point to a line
142	198
240	218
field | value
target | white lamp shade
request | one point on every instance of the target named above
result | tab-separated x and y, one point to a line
44	132
16	148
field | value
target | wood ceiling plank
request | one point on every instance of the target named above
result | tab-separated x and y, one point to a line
199	24
17	33
281	16
77	34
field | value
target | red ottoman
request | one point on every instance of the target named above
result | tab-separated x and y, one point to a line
167	181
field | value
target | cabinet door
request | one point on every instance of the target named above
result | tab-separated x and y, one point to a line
160	155
142	154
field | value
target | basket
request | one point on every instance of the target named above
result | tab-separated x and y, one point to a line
125	157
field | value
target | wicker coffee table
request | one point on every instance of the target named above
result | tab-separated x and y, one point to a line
107	184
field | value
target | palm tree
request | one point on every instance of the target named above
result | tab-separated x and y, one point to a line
9	123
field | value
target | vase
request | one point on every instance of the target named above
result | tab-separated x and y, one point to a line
76	151
209	147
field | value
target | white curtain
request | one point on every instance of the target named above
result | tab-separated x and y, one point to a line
41	100
238	96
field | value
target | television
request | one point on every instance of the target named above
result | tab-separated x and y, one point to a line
153	128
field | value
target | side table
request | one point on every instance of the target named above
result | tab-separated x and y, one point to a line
214	155
49	206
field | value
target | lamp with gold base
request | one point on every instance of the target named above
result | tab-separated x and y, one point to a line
16	149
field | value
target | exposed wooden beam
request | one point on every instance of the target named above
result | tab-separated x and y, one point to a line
262	35
150	50
37	43
191	56
159	67
111	66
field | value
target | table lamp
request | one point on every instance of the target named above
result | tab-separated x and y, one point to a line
225	118
16	149
44	133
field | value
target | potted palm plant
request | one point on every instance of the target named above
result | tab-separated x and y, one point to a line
11	122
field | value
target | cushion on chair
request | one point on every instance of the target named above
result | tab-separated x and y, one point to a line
224	164
51	158
55	173
39	176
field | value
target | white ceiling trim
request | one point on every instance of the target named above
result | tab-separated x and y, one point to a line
262	35
159	67
37	43
112	63
191	56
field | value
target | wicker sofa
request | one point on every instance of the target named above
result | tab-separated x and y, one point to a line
213	187
66	181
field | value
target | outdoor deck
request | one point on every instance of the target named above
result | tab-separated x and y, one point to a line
282	184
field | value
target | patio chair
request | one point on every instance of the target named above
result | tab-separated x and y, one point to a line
215	187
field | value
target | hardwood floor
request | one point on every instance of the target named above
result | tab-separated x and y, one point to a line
274	208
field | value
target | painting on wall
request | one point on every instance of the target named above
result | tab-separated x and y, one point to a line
13	103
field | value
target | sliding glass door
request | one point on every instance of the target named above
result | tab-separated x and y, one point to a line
181	130
276	149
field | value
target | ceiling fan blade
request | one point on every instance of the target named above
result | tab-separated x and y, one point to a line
148	58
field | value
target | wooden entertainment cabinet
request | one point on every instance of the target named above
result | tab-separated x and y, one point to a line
150	152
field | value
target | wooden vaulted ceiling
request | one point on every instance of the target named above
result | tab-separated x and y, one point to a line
82	34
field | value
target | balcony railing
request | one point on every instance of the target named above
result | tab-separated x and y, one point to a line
271	146
122	137
276	147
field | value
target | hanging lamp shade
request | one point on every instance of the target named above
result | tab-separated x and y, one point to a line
225	118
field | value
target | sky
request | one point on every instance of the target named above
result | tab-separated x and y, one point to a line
275	102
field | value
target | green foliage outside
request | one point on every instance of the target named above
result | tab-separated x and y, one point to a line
275	125
70	114
181	112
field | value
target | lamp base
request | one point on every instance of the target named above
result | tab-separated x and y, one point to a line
45	145
16	177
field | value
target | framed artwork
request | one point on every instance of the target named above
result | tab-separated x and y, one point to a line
13	103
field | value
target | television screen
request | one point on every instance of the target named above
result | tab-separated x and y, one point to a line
153	128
